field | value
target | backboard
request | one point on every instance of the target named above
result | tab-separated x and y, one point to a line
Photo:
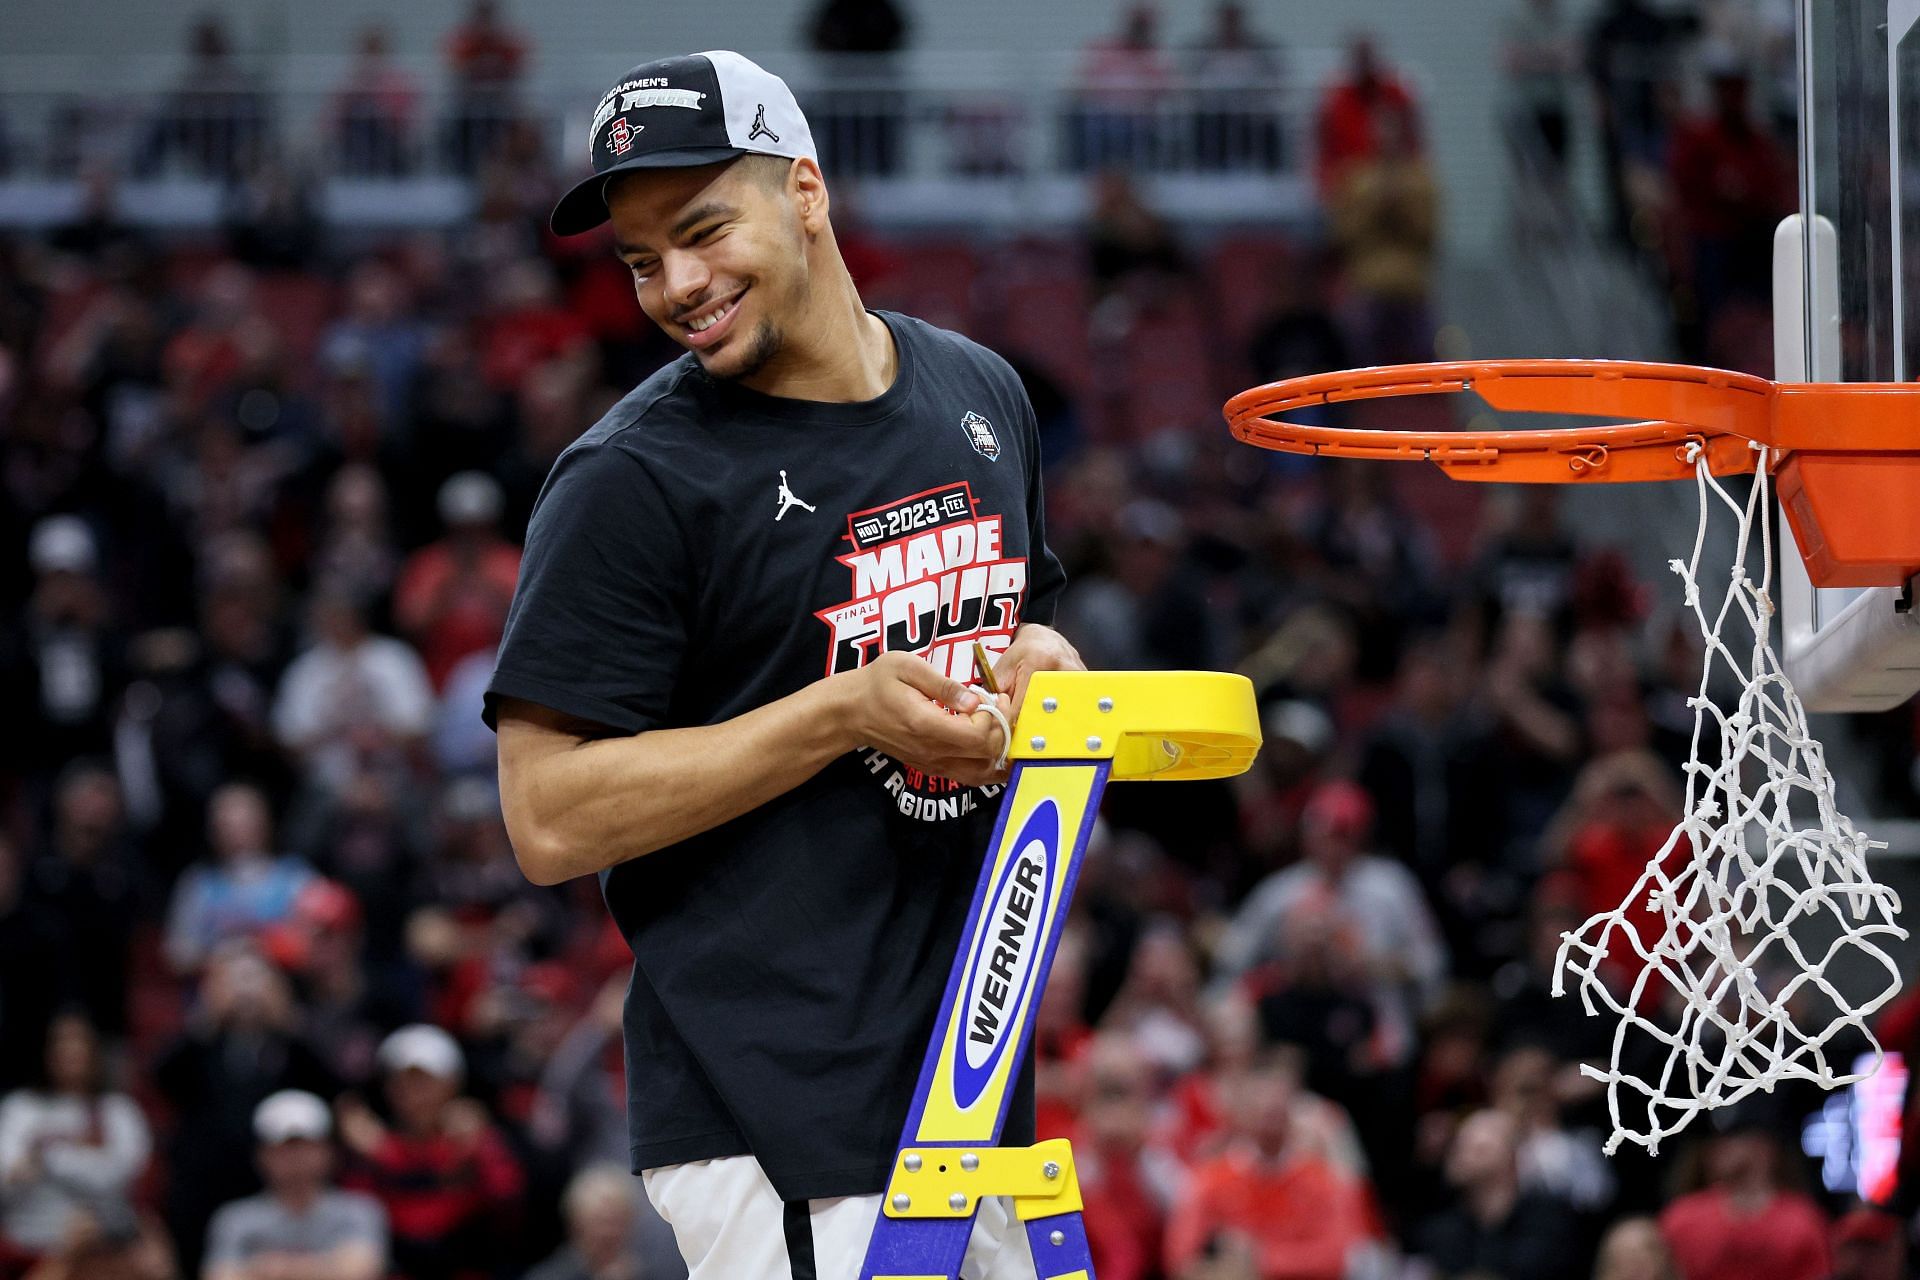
1846	280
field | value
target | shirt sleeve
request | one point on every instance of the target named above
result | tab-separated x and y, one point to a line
600	618
1045	576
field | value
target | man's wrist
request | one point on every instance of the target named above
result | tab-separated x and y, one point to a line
839	699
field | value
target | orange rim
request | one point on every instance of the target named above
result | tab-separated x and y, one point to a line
1675	407
1845	456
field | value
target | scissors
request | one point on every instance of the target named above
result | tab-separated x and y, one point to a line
984	666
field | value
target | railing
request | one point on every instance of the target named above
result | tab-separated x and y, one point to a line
229	133
1007	122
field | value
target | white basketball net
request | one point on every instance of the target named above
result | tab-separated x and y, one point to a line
1719	998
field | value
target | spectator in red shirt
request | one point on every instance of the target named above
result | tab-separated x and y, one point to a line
1745	1223
1195	1124
453	594
529	327
205	354
450	1184
1730	176
1296	1215
1352	113
1869	1244
1614	826
1732	182
486	57
483	52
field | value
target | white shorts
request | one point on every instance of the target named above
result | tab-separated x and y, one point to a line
730	1224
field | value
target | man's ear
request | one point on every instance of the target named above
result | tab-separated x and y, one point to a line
808	190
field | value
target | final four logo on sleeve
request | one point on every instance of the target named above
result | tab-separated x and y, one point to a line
980	435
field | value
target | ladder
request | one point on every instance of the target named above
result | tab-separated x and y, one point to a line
1077	731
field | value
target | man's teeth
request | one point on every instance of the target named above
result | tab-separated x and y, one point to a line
699	323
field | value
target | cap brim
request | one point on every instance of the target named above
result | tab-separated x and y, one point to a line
584	207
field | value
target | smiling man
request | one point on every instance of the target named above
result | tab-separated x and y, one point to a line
733	678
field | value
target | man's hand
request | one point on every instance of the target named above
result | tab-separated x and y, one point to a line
895	706
464	1119
360	1130
1034	648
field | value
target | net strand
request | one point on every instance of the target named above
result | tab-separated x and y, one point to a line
1715	994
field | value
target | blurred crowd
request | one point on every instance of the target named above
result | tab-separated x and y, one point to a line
1694	109
1214	104
275	1000
219	119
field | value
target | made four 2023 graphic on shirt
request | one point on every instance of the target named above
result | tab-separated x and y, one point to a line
929	576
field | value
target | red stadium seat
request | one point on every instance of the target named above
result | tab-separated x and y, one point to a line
937	283
1240	270
1167	371
1044	316
1450	512
298	306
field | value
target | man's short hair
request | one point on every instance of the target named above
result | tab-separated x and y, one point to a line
769	171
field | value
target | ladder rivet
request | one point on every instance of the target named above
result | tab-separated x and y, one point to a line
1039	743
1106	704
1057	1239
1093	744
912	1164
958	1200
902	1202
1049	704
1050	1170
969	1162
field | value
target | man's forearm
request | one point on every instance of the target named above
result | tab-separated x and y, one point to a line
581	806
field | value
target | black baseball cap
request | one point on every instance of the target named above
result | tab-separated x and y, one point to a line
697	108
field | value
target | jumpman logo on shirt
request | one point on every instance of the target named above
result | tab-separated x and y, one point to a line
787	499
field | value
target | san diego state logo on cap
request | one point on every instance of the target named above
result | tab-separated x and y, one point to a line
620	135
980	435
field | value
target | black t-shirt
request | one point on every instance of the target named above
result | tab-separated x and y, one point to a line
705	550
